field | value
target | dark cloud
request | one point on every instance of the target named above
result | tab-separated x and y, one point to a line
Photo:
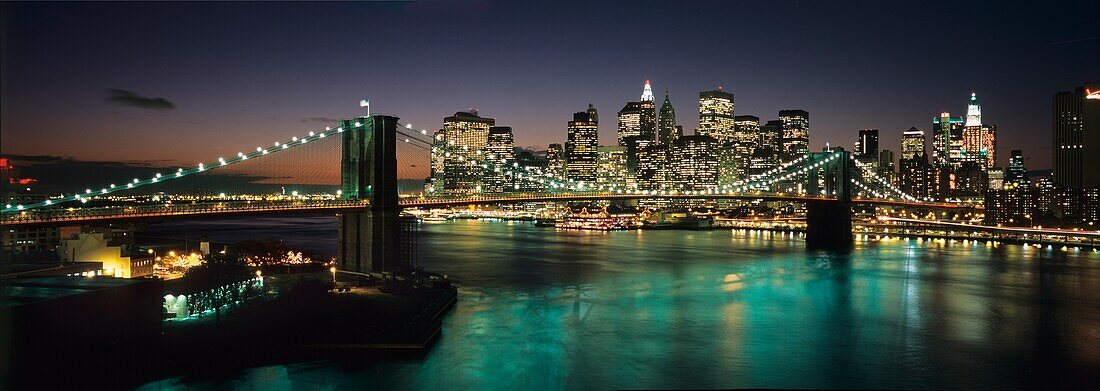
320	119
130	98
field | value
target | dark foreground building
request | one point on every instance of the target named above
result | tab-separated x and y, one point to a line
75	330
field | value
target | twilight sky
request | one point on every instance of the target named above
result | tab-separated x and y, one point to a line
187	82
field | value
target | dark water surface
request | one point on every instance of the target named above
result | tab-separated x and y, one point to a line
549	309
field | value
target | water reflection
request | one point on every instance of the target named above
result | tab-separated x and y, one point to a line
545	309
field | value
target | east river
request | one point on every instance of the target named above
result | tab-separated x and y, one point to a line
541	308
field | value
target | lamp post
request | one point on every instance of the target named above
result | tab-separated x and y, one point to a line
333	270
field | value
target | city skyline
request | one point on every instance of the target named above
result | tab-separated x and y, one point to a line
491	194
191	119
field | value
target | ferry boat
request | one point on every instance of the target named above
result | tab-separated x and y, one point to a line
601	219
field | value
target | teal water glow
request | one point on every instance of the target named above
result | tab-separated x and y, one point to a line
550	309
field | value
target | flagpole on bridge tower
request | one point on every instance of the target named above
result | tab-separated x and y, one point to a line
365	103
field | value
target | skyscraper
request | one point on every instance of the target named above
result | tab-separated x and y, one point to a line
979	141
716	117
915	175
912	143
769	149
796	133
746	128
1076	132
695	163
501	145
651	167
500	151
886	168
1016	173
630	122
464	135
581	148
735	157
947	141
438	163
611	168
973	111
647	120
637	126
867	145
555	160
667	132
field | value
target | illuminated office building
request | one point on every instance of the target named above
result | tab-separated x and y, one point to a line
734	160
996	178
555	160
438	162
716	117
746	129
581	149
630	122
611	168
946	141
916	176
652	168
767	153
912	143
694	163
501	154
796	133
465	138
979	141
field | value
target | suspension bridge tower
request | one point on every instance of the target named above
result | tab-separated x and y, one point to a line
829	221
371	240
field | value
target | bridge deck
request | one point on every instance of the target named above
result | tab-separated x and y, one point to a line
235	208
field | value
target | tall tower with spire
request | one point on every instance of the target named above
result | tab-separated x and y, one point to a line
979	140
973	111
648	120
666	123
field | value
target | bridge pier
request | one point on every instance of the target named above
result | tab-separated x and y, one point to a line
829	226
829	222
371	240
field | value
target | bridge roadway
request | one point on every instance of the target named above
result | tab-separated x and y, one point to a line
161	211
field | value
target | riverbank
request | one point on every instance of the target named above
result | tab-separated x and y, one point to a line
308	322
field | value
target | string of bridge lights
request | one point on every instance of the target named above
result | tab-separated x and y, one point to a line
277	146
867	189
884	182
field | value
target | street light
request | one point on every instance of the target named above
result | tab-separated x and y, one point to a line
333	270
